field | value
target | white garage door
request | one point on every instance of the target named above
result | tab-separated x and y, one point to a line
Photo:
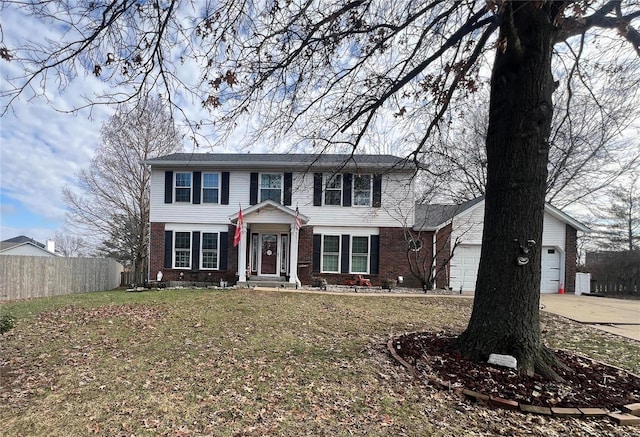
466	259
550	282
464	267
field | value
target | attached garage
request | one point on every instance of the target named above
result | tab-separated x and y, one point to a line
466	260
464	267
461	226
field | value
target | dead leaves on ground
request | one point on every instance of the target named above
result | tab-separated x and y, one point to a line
241	363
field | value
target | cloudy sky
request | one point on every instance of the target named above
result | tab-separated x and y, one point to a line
42	148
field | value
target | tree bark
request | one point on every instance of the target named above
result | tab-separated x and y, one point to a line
505	317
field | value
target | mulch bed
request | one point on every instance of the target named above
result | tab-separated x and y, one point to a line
588	383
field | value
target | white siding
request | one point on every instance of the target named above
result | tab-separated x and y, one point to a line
554	232
467	227
469	224
396	210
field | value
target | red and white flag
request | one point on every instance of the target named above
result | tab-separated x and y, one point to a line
298	219
238	234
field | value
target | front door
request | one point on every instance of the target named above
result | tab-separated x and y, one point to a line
269	254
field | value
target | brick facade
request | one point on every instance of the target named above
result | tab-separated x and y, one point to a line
571	259
156	261
443	251
156	250
392	260
420	261
305	254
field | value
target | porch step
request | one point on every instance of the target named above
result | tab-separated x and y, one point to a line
266	284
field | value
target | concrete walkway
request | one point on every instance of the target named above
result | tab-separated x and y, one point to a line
617	316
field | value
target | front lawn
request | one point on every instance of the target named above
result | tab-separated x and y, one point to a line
212	362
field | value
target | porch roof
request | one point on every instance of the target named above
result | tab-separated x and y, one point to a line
254	209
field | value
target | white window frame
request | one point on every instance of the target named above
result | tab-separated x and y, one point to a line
175	250
328	178
217	188
353	190
322	253
260	187
202	251
176	187
351	255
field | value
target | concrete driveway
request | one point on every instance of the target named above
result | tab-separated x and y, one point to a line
617	316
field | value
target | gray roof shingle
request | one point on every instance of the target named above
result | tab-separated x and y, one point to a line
430	217
301	160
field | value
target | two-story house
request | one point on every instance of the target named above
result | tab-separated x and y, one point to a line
289	217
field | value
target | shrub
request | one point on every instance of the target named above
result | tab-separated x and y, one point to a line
7	322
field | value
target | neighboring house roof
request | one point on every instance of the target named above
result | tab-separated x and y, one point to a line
283	160
20	239
434	217
16	245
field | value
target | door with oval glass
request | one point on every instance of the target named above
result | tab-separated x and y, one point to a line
269	255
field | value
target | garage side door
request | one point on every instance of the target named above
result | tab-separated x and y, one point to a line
550	280
464	267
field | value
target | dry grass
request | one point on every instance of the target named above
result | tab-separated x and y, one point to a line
204	362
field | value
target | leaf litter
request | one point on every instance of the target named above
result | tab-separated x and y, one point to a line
255	363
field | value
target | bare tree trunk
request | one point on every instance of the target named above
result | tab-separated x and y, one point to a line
505	316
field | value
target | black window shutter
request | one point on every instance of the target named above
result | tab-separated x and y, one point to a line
168	252
317	189
195	250
374	255
224	244
377	191
288	187
346	189
197	185
253	189
168	186
345	255
224	190
317	243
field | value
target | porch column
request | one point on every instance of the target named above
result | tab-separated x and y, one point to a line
293	255
242	255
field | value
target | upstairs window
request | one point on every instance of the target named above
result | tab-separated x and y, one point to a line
183	187
362	190
209	258
333	190
182	250
271	187
210	187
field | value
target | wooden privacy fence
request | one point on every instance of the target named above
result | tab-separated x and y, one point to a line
24	277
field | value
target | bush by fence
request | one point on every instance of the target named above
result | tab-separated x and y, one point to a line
23	277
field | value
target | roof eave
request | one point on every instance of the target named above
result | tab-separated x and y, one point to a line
555	212
304	165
